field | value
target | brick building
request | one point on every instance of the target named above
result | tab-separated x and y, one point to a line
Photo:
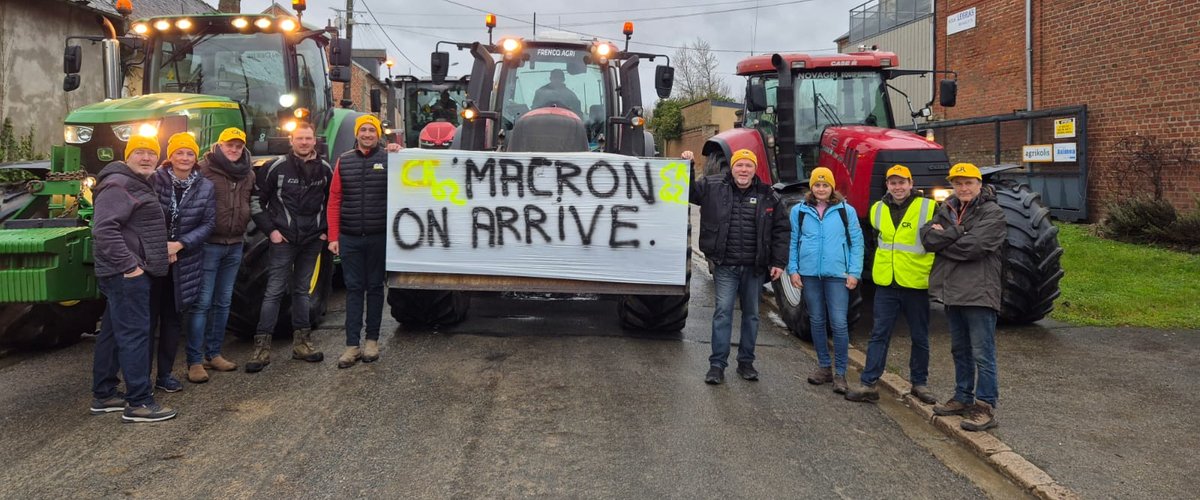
702	120
1134	64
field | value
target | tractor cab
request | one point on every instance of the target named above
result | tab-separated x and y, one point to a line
428	110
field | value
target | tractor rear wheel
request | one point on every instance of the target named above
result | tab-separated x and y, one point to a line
1031	259
251	286
48	326
428	308
716	163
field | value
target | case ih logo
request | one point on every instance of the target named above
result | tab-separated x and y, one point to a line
844	63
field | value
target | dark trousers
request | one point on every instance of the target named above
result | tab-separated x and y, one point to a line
364	273
889	303
166	318
124	340
294	262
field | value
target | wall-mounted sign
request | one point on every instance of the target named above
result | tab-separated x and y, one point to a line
1064	152
1038	153
1064	128
960	21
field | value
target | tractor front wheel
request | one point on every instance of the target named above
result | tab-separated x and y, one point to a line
428	308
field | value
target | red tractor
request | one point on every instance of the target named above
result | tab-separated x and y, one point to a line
804	111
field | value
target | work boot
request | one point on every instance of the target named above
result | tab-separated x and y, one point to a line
821	376
370	351
196	374
863	394
219	363
351	356
839	384
302	347
262	354
747	371
923	393
715	376
980	417
951	407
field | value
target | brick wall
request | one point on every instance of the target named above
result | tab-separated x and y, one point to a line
361	83
1136	65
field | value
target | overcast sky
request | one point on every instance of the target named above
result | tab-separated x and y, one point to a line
411	28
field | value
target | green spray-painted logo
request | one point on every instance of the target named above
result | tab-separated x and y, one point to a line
104	154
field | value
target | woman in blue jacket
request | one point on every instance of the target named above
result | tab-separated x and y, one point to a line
825	261
190	208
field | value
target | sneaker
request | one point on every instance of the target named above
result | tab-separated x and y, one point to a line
219	363
370	351
980	417
715	376
821	376
152	412
747	371
169	384
196	374
951	407
113	403
350	357
923	393
839	384
863	394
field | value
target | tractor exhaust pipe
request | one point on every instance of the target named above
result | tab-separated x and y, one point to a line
111	59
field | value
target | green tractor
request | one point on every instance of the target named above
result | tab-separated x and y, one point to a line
200	74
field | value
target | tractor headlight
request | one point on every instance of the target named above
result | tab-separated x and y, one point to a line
89	182
126	130
940	194
287	100
77	134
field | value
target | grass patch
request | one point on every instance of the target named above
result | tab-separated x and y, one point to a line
1109	283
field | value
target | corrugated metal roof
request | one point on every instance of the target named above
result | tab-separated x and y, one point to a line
146	8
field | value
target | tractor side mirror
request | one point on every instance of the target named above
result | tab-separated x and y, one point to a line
741	116
71	82
948	93
376	100
756	97
439	66
340	52
72	59
664	79
339	74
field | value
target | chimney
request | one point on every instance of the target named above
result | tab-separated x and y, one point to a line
230	6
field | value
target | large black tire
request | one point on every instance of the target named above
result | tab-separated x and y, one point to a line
1031	259
428	308
716	163
251	286
659	313
48	326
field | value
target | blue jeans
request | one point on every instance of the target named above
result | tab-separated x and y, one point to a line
210	312
973	345
745	285
364	272
889	303
124	340
291	263
828	301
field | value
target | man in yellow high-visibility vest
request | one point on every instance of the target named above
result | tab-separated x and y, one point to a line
901	275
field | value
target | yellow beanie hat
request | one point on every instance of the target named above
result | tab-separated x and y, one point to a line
142	142
743	154
821	174
182	140
365	119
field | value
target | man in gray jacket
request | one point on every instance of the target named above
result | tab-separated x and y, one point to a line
130	246
968	234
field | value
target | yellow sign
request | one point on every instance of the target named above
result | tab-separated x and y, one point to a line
1064	128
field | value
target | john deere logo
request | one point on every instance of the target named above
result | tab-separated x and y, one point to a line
104	154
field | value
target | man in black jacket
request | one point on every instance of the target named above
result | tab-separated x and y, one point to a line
288	205
130	246
744	232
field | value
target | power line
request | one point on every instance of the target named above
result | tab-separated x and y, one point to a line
389	38
574	13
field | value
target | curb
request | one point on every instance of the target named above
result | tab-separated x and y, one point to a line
987	446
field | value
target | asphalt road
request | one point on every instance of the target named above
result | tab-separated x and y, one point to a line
527	398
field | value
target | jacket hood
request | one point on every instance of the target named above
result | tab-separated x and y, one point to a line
116	169
988	193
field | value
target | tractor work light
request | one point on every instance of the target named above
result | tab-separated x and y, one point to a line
469	114
262	23
240	23
141	28
162	25
603	50
287	25
77	134
184	24
940	194
289	126
510	45
287	100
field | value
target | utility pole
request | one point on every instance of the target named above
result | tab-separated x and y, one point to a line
346	87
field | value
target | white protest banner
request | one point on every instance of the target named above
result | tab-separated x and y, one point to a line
579	216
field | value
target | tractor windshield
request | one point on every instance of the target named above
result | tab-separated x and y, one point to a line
247	68
425	103
557	77
831	98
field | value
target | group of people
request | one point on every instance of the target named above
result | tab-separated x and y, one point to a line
169	243
950	252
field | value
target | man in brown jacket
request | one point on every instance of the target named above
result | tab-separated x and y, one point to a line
968	234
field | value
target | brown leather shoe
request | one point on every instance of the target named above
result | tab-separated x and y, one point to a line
196	374
923	393
951	407
219	363
821	376
980	417
839	384
863	394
